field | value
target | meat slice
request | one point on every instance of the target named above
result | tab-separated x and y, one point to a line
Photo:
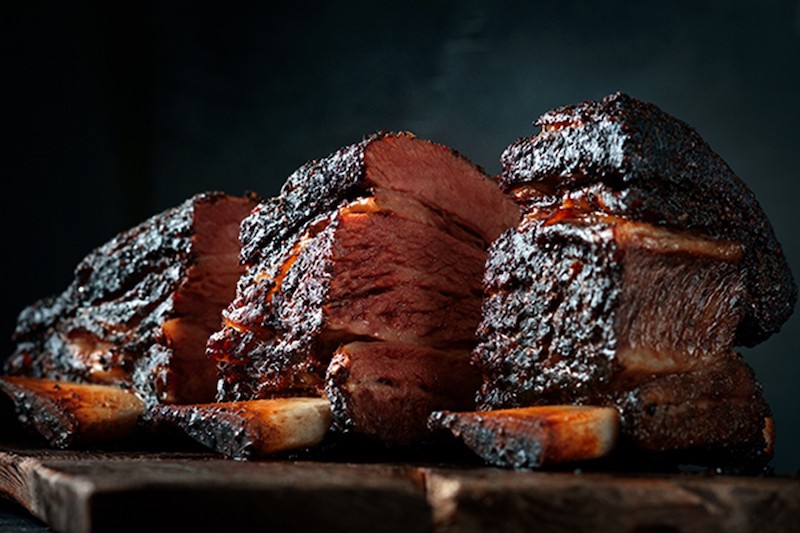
398	280
407	382
640	262
141	307
383	241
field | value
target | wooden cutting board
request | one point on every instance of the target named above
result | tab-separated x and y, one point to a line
80	492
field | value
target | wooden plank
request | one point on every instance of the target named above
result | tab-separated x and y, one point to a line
82	493
493	500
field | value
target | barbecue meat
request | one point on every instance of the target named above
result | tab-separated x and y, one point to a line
141	307
714	410
641	260
407	382
574	305
71	414
243	430
603	311
629	158
381	242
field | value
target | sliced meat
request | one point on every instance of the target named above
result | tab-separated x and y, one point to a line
395	279
433	175
142	306
381	242
716	407
407	382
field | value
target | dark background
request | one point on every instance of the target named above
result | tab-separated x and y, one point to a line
115	111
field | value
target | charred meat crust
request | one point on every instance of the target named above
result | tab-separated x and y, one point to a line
319	187
283	326
569	305
248	429
267	348
720	406
604	311
628	158
108	324
74	414
531	437
641	260
380	245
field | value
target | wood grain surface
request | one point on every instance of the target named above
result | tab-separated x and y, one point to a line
81	492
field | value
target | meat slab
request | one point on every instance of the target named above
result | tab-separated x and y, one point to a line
141	307
628	158
406	382
376	254
640	262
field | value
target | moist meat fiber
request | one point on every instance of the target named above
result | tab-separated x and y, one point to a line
641	260
376	253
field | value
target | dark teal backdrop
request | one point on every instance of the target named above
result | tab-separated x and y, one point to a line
113	111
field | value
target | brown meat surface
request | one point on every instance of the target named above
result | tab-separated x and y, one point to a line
604	311
399	280
575	304
716	408
408	383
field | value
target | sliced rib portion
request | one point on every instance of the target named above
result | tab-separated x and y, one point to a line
74	414
142	306
532	437
398	280
603	311
640	262
248	429
574	303
407	382
381	242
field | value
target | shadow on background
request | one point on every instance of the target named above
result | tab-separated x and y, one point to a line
115	113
